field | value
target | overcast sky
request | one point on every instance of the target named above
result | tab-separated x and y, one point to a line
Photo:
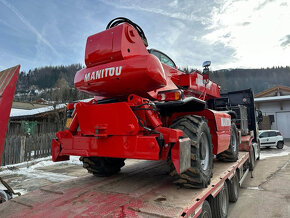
232	34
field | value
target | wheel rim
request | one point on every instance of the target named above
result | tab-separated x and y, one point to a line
233	142
204	151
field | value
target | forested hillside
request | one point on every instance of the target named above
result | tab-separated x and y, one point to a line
55	83
51	83
46	77
257	79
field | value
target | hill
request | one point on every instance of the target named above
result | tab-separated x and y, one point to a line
257	79
55	83
50	83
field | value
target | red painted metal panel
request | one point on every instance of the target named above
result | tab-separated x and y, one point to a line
220	129
137	75
197	85
136	147
113	130
170	74
107	119
219	124
8	80
246	143
115	44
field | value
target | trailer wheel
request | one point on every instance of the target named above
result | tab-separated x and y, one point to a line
102	166
234	188
252	158
3	196
220	204
198	176
206	211
232	154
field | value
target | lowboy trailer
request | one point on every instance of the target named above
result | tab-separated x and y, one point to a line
142	189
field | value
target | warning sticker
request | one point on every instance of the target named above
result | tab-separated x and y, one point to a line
225	121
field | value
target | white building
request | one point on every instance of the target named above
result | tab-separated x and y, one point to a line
275	103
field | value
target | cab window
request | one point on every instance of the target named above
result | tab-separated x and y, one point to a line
162	57
167	61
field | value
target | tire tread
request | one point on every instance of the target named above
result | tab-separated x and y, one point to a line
216	206
102	166
192	178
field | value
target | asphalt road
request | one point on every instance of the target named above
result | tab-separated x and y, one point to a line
268	193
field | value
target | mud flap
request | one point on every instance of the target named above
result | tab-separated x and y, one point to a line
56	151
181	155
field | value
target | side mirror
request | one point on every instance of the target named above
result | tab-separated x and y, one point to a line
259	116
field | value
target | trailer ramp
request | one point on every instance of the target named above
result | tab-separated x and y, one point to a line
8	80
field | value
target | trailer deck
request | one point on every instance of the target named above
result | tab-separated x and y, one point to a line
142	189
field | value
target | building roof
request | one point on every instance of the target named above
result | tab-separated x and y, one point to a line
275	98
26	113
27	105
282	90
21	112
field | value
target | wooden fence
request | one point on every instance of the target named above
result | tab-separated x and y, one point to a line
25	148
25	144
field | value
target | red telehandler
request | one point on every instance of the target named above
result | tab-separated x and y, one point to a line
144	108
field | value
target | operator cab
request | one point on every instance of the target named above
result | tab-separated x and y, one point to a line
163	58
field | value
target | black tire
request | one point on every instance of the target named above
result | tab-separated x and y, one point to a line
3	196
102	166
232	153
200	173
206	211
280	145
234	188
220	204
259	151
252	158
